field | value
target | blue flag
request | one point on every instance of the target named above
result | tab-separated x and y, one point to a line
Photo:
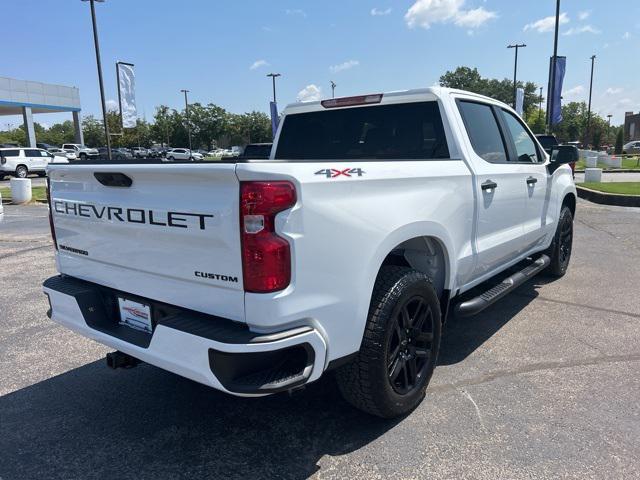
273	107
556	101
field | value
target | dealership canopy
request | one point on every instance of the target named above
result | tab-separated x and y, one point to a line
26	98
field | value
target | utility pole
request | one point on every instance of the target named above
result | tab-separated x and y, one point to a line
552	88
517	46
99	64
273	79
593	61
540	106
333	89
186	107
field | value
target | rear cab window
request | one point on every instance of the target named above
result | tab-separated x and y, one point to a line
407	131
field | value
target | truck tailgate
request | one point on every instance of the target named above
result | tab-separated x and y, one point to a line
172	235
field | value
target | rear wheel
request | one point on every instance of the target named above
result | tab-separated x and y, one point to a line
22	171
390	373
560	249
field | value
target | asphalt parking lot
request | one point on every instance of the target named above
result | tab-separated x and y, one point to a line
544	384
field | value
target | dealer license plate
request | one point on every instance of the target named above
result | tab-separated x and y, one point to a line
135	315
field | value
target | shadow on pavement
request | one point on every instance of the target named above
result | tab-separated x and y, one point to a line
93	422
464	335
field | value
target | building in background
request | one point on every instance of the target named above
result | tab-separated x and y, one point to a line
631	126
26	98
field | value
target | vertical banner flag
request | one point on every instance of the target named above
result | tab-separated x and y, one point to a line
273	106
127	94
520	101
555	103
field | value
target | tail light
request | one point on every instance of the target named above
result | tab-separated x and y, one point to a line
266	257
53	230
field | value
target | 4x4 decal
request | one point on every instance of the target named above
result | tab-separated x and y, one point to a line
334	172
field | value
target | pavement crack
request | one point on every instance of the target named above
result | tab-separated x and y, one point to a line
582	305
534	367
26	250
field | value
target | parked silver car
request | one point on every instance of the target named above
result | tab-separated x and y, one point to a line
631	147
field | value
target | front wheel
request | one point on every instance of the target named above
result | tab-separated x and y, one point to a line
560	250
399	349
83	156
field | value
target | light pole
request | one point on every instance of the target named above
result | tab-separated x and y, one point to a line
552	88
273	79
517	46
609	119
98	62
540	106
186	107
333	89
593	61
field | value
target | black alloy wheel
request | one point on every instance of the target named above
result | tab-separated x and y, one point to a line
409	346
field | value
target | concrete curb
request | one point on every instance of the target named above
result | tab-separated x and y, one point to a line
602	198
619	170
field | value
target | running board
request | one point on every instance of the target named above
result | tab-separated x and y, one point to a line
477	304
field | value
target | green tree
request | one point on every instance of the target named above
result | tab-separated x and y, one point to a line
465	78
93	131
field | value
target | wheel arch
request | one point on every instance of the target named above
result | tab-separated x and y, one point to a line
570	201
426	247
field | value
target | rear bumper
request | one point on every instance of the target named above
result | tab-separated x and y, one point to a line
217	352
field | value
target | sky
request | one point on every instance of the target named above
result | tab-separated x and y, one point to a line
222	50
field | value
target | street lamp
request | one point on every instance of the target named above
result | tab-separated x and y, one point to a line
273	79
551	92
186	107
517	46
98	62
540	106
609	119
593	61
333	89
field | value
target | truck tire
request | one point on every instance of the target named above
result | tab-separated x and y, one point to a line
390	373
560	250
83	156
21	171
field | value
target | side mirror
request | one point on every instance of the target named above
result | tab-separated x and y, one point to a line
562	154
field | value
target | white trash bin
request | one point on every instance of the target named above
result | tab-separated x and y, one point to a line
592	175
615	161
20	190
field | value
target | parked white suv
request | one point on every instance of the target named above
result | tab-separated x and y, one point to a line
182	154
139	152
82	151
374	217
20	162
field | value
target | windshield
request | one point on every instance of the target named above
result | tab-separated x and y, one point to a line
402	132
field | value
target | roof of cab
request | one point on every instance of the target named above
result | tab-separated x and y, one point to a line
435	92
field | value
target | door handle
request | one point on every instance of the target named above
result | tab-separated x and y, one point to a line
532	180
488	185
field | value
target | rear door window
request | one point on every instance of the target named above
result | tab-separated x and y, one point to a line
408	131
483	130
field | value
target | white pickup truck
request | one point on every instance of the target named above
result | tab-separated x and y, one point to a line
373	219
